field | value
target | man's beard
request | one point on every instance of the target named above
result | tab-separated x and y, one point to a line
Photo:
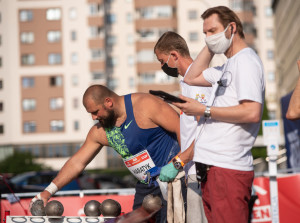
109	121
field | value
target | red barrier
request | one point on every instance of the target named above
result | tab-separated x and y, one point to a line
288	198
73	205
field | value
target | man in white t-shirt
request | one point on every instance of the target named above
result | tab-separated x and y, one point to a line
173	54
224	163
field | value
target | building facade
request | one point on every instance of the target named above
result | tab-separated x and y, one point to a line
52	50
287	44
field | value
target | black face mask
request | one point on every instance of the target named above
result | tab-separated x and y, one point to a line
171	71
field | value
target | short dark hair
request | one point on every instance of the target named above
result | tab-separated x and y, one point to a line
97	93
172	41
226	15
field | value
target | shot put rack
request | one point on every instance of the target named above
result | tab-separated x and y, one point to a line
50	219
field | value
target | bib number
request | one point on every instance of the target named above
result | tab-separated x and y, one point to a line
139	164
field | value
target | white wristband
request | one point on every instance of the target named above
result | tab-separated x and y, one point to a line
52	188
37	197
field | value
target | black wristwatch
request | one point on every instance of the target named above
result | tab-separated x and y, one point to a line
178	164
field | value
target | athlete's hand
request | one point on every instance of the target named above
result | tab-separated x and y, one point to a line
191	106
168	173
44	196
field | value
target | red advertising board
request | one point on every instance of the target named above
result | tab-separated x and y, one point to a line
288	197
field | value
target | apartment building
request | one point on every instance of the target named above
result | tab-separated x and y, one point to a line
52	50
287	44
265	46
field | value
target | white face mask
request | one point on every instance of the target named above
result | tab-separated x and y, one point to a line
218	43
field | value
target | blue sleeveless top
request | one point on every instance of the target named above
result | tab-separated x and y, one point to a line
129	139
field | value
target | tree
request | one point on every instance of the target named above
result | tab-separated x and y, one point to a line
20	162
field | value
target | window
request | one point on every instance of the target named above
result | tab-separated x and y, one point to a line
268	11
28	104
75	103
236	5
130	39
95	9
74	80
192	14
145	56
164	11
53	36
53	14
130	60
271	76
1	129
96	31
27	82
131	82
54	58
147	34
27	37
193	36
28	59
56	81
1	84
56	103
76	125
0	61
112	61
111	18
111	40
73	13
1	106
73	35
129	17
113	83
97	54
98	75
147	78
74	58
57	125
270	54
26	15
29	126
269	33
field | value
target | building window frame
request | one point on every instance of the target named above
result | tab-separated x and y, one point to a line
29	127
57	126
27	59
28	104
27	37
26	15
53	14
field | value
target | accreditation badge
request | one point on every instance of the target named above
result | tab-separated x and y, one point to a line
139	164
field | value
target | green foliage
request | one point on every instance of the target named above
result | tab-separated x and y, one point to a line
265	116
258	152
20	162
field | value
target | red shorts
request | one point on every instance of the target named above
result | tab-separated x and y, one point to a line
226	194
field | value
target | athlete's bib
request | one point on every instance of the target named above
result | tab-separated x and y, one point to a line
139	164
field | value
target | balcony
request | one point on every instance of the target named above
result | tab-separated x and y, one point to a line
143	3
156	23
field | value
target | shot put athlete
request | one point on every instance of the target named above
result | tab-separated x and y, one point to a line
137	126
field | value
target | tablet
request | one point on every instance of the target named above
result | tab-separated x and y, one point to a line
166	97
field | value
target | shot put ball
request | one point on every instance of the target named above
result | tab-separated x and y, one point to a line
152	203
54	208
110	208
92	208
37	208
